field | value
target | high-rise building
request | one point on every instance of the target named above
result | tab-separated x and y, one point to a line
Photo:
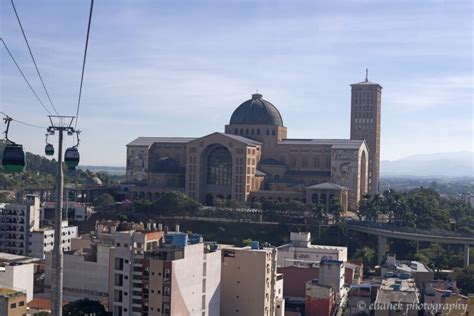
250	283
182	277
366	103
126	293
158	273
16	223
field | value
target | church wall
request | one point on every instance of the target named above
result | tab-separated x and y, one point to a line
176	151
268	135
137	163
244	161
346	170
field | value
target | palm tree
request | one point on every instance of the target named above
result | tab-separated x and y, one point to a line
318	211
335	209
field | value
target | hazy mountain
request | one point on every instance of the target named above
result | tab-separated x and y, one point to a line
453	164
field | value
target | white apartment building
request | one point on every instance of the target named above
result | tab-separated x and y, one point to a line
182	278
250	284
86	272
73	211
17	272
300	252
41	240
16	221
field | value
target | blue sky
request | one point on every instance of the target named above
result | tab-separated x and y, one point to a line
179	68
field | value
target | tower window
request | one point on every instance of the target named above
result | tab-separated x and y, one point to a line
268	132
273	132
258	131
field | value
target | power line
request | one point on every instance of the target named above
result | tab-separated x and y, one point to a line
24	77
20	122
84	63
33	58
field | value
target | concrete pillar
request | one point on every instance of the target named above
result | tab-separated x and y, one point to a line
466	255
382	248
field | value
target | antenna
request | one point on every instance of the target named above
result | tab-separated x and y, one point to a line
366	74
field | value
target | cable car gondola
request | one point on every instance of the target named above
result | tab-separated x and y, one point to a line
49	150
13	159
71	158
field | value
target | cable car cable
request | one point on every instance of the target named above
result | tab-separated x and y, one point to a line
24	77
83	63
20	122
32	57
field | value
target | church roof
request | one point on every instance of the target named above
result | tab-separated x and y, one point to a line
328	186
242	139
256	111
147	141
334	143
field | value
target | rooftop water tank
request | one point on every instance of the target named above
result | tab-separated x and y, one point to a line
255	244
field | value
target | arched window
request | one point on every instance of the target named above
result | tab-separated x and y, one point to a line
219	166
323	199
314	198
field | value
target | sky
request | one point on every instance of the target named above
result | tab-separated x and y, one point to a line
180	68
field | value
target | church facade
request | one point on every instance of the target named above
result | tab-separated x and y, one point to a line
252	160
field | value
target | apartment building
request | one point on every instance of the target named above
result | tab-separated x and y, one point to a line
12	302
41	240
126	273
300	252
17	272
250	284
182	277
16	222
73	211
86	272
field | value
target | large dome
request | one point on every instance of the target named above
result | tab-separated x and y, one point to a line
256	111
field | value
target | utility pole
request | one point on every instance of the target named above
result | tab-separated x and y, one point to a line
64	124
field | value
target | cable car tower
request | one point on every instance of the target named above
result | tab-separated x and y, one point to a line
60	124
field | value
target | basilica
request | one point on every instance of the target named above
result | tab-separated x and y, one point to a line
254	160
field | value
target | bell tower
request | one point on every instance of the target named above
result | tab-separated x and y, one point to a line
366	101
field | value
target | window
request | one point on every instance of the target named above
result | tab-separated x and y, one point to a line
219	166
119	264
13	305
22	303
118	296
118	279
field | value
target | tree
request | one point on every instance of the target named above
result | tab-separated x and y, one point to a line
176	203
465	280
104	201
367	255
84	307
335	209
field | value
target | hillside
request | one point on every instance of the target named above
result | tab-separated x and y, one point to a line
40	172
